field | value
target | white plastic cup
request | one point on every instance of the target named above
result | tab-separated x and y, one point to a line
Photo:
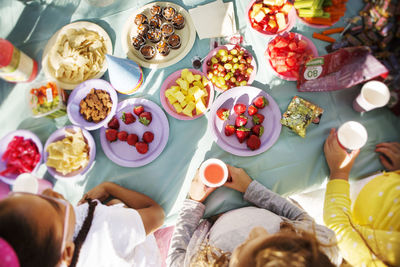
213	172
352	135
374	94
28	183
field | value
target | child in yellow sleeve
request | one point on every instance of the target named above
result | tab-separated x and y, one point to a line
368	235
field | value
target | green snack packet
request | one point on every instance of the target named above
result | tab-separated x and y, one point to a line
299	114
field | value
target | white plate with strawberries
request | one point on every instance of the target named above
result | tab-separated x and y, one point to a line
137	134
245	121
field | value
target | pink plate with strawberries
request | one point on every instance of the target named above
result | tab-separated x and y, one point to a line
241	67
127	154
245	96
169	108
286	52
270	19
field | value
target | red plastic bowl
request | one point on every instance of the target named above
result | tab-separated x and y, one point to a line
291	21
290	77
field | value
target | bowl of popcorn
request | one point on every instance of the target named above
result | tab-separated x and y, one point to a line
186	94
69	152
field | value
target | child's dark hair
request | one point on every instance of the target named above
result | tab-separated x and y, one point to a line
21	234
32	251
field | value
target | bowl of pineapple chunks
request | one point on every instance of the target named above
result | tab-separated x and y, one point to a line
186	94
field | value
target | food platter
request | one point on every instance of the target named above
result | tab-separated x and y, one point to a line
47	53
125	155
9	179
170	81
245	95
59	135
80	92
187	34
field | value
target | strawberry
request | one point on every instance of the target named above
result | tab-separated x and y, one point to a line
132	139
142	147
253	142
113	123
240	121
229	130
148	137
138	110
258	118
242	133
260	102
128	118
111	135
223	114
239	108
257	130
145	118
252	110
122	136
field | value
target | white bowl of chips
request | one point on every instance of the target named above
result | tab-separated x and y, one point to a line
69	152
76	53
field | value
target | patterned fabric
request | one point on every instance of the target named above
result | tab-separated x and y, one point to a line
375	217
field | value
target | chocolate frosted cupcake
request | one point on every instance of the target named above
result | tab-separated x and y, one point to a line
162	48
168	13
142	30
148	51
167	29
154	35
174	41
140	19
178	21
155	10
138	42
155	21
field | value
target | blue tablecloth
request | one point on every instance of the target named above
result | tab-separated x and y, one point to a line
293	164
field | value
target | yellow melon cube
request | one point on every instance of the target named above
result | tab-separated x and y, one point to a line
205	81
183	104
190	77
200	107
191	91
189	98
177	107
171	99
280	18
169	92
198	93
184	73
183	84
179	96
197	77
189	109
205	91
198	84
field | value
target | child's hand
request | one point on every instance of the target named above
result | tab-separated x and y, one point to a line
392	153
199	191
99	192
238	179
339	161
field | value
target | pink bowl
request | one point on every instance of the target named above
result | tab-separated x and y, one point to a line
170	81
3	147
59	135
290	77
291	20
228	47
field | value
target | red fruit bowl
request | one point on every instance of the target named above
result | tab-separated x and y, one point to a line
10	178
229	47
290	19
295	50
